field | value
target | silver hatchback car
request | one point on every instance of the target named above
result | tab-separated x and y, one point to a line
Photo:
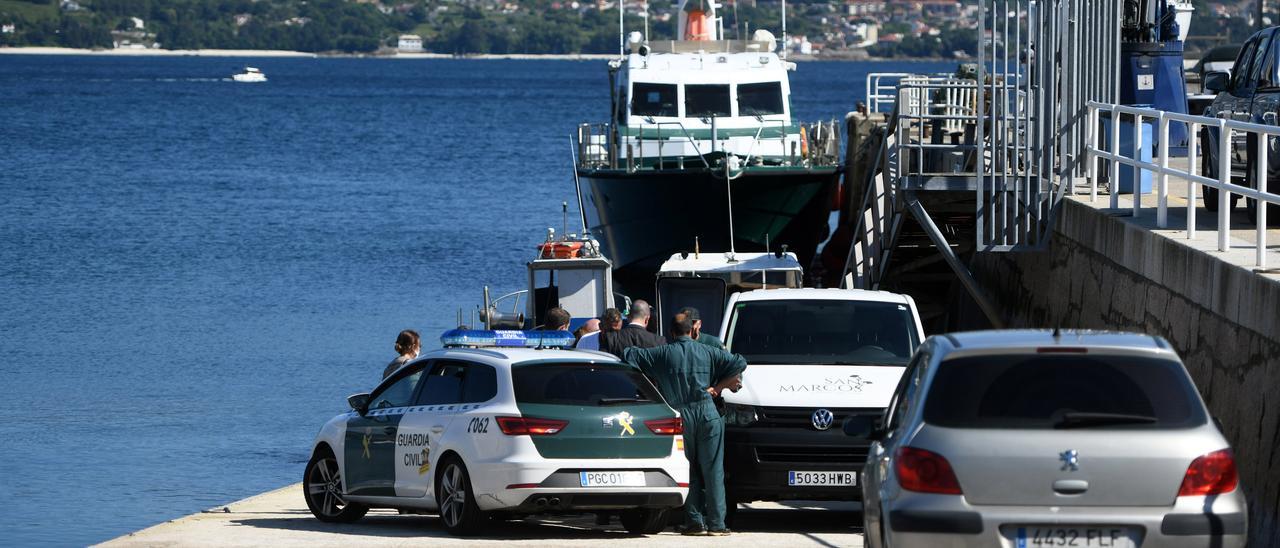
1036	439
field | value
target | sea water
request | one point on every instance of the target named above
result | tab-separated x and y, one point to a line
195	273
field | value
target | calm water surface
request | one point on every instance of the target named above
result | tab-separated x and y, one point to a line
195	273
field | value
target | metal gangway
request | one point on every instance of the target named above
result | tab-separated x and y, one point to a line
978	163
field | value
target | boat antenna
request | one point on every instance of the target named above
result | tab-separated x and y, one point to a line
728	190
564	213
784	30
622	34
577	186
646	20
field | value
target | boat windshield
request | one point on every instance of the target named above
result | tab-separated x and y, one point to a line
760	99
653	99
706	100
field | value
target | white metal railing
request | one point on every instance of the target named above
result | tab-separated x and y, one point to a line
1159	166
882	95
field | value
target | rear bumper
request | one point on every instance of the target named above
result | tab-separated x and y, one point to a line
758	462
949	521
557	500
515	485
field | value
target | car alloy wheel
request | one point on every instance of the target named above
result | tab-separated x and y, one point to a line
323	488
455	496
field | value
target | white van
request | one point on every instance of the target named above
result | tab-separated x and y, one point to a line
816	357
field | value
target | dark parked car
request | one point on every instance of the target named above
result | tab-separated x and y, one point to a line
1249	93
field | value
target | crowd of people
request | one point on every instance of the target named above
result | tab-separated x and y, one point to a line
689	368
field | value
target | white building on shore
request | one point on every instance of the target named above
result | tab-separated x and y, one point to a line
409	43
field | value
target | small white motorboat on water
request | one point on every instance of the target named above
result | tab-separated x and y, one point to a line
250	74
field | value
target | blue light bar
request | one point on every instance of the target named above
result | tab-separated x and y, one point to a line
507	338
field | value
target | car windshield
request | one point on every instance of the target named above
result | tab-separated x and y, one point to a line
581	384
1048	391
834	332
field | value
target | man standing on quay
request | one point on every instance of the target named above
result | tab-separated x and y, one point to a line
689	375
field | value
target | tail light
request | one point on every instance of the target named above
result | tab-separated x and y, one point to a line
925	472
666	427
1211	474
530	426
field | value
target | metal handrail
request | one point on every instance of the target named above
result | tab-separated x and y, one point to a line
1160	166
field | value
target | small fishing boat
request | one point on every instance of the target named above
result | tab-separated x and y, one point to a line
250	74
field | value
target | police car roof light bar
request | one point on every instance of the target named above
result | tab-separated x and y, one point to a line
480	338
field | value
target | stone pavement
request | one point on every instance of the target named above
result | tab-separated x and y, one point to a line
280	518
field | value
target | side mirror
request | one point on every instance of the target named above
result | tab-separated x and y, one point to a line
358	402
864	426
1216	81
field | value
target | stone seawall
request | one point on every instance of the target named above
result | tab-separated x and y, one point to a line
1102	272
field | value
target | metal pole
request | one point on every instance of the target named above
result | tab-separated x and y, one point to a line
622	33
784	30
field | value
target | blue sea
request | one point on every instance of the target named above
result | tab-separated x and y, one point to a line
195	273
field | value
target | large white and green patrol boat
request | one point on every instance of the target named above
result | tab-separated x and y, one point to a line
701	143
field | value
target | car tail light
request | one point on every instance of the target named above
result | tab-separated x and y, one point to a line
1211	474
925	472
530	426
666	427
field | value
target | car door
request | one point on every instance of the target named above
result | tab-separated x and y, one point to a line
879	452
369	449
424	425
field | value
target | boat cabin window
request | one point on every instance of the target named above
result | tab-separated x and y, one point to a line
759	99
702	100
654	99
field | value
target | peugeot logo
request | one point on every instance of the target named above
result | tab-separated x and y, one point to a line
1070	459
822	419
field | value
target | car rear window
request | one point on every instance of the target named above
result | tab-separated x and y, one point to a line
1044	391
581	384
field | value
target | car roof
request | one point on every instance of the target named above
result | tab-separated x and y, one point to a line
1006	339
821	295
504	356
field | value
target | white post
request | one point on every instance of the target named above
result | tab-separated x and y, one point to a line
1093	146
1193	156
1138	144
1162	192
1261	176
1113	184
1224	179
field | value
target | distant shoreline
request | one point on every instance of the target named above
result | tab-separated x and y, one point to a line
125	52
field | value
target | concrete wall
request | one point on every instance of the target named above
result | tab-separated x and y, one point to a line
1102	272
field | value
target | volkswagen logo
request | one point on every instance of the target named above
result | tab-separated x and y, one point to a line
1070	459
822	419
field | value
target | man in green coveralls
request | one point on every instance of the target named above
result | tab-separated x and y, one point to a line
689	375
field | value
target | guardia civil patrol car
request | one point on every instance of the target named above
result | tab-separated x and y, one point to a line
503	423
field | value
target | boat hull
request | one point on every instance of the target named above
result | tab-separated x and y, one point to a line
643	217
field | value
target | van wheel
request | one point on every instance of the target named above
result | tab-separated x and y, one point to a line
322	486
456	499
644	521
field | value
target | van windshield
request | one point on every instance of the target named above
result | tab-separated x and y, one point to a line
817	332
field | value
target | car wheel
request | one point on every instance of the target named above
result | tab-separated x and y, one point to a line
1208	168
322	486
644	521
458	509
1272	186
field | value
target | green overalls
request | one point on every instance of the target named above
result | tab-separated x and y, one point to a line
683	370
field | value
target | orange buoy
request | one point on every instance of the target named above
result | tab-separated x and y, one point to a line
559	250
804	143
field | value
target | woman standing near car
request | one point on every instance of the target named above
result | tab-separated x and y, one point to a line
407	345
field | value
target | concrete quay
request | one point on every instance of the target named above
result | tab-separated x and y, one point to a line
280	518
1107	269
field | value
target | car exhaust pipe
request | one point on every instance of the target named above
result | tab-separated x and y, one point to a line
541	502
555	501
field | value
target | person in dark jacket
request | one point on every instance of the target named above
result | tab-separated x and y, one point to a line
697	335
634	334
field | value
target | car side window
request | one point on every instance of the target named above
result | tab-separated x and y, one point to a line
1263	64
906	392
399	393
1244	62
480	383
443	385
